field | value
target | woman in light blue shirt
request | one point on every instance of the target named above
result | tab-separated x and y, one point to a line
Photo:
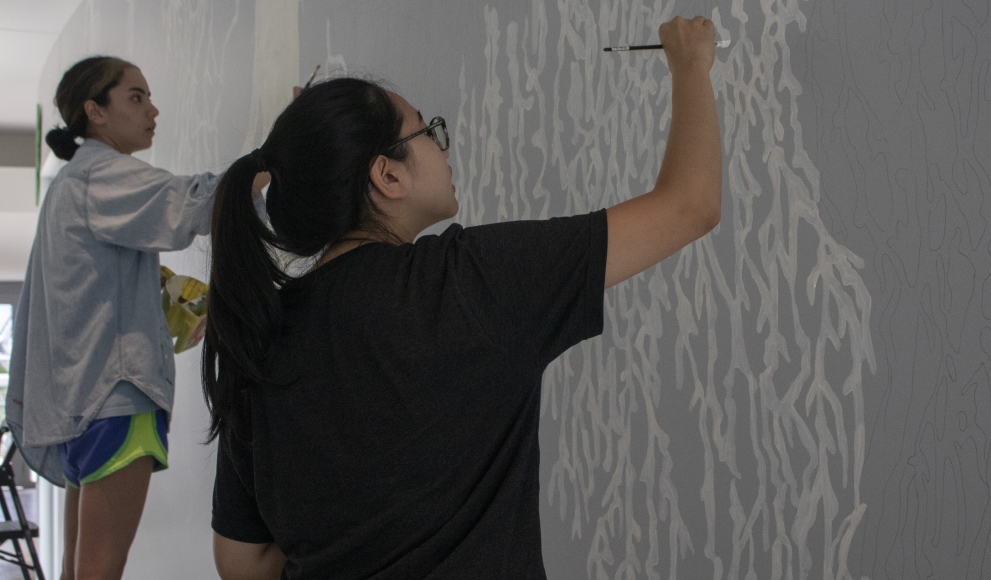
92	369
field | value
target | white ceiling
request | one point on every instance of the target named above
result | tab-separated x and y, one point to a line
28	30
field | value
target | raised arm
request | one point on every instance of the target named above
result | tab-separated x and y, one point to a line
685	202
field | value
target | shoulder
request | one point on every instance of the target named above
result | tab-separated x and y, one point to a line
457	234
523	235
74	175
93	155
93	152
94	159
512	250
104	168
432	243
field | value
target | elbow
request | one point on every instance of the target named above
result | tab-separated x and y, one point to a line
708	213
711	216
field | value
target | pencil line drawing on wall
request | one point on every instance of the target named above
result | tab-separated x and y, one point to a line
902	134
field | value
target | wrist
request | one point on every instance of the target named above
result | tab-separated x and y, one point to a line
697	68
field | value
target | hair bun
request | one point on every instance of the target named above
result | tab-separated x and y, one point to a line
62	142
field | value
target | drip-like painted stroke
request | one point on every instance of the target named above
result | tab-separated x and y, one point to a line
765	320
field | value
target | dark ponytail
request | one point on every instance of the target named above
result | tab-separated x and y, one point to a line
242	305
318	153
88	80
62	143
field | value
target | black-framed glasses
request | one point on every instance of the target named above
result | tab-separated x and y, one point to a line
440	137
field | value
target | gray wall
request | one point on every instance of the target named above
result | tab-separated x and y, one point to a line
802	393
898	121
16	148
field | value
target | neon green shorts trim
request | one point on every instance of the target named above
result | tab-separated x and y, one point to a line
108	445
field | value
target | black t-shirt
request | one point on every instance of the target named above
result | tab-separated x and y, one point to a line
406	447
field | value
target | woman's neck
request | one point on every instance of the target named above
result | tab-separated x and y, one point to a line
350	241
106	140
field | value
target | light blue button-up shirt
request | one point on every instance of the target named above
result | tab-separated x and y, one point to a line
90	314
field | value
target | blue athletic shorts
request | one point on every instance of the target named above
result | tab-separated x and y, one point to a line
111	444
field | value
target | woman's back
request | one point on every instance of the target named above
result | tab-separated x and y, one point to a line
91	302
407	444
407	448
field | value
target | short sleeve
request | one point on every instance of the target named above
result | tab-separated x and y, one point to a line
537	284
235	511
132	204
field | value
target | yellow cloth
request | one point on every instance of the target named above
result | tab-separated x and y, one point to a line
184	300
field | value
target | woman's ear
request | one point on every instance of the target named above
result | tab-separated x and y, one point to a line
389	177
96	114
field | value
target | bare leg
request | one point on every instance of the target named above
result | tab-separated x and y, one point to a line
109	512
71	529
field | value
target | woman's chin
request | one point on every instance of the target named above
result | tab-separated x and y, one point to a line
454	201
142	146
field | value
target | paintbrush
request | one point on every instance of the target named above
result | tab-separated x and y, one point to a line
312	76
719	44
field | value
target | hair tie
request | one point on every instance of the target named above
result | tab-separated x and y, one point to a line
259	157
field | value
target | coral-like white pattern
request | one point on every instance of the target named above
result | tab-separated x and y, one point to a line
755	336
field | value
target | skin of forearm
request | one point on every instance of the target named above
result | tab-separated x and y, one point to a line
272	561
236	561
692	164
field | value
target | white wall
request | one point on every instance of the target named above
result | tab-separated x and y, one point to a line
18	218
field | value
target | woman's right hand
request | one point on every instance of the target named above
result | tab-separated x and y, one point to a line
688	43
685	203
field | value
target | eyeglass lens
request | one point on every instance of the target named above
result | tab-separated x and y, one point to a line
439	132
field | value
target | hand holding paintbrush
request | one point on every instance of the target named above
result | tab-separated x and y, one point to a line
719	44
688	43
698	19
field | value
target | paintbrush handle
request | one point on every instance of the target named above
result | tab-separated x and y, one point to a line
312	76
637	47
719	44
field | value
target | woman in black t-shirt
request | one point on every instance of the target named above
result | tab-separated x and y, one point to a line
378	415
